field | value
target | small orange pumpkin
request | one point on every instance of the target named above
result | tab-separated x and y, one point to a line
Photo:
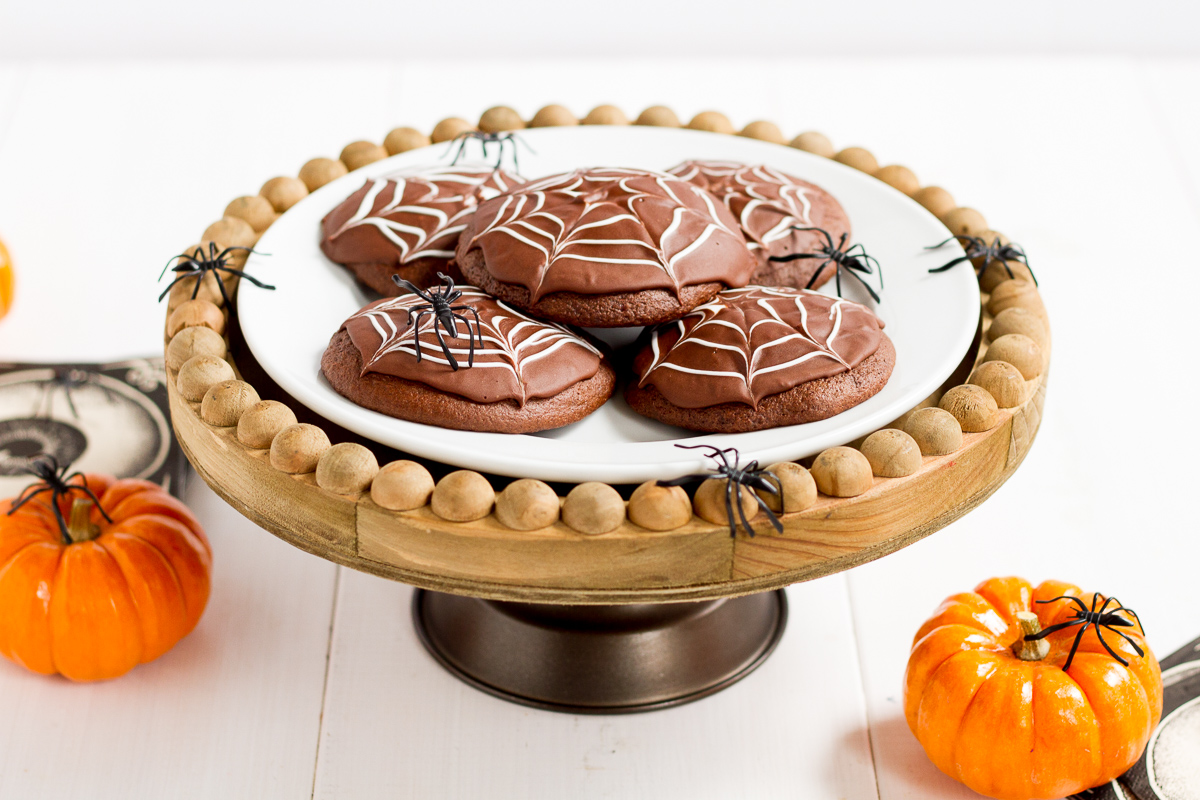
6	280
1023	693
101	576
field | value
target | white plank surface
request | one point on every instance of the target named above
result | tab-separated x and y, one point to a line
1092	164
231	711
397	722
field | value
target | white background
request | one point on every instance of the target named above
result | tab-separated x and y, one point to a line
304	679
499	29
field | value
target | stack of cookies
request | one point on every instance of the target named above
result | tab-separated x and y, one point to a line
490	280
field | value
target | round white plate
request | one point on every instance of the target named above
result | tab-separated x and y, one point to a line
931	318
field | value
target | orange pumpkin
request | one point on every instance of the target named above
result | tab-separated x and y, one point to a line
1014	693
116	586
6	280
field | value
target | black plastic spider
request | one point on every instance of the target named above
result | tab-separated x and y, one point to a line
502	139
1099	618
57	482
196	264
854	260
749	476
976	248
439	304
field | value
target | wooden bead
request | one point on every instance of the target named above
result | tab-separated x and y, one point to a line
195	341
973	407
402	486
713	121
659	508
1023	321
816	143
401	140
841	472
450	128
964	221
937	201
764	130
709	502
858	157
900	178
346	468
659	117
261	422
998	272
500	118
192	313
553	116
935	430
1015	294
230	232
283	193
225	402
210	290
358	154
1002	381
797	489
892	453
199	373
255	209
1018	350
297	448
593	507
605	115
527	505
463	496
320	171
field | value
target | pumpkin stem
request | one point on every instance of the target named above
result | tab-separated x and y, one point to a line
79	526
1025	648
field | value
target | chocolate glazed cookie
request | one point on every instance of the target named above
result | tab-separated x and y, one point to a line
605	247
408	224
769	205
504	372
758	358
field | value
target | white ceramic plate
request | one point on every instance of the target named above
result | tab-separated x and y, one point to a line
931	318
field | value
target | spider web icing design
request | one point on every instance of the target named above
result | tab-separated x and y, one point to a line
600	231
521	358
420	213
751	343
767	203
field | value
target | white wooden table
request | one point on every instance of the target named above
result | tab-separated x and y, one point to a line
305	679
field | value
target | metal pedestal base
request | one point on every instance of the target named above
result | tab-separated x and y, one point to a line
600	659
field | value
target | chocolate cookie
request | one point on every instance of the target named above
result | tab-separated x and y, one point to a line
768	205
759	358
524	375
605	247
408	223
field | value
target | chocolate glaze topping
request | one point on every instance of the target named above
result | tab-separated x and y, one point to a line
406	216
521	358
751	343
768	203
608	230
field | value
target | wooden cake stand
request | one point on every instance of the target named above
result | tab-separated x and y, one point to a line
594	599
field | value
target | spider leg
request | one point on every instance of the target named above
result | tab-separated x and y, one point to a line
775	523
729	508
417	332
24	498
84	486
817	274
1075	645
1131	613
243	275
945	242
470	339
794	257
171	286
1111	652
445	347
741	509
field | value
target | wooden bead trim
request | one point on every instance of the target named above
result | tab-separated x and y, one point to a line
198	370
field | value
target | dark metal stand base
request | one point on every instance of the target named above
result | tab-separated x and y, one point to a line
612	659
